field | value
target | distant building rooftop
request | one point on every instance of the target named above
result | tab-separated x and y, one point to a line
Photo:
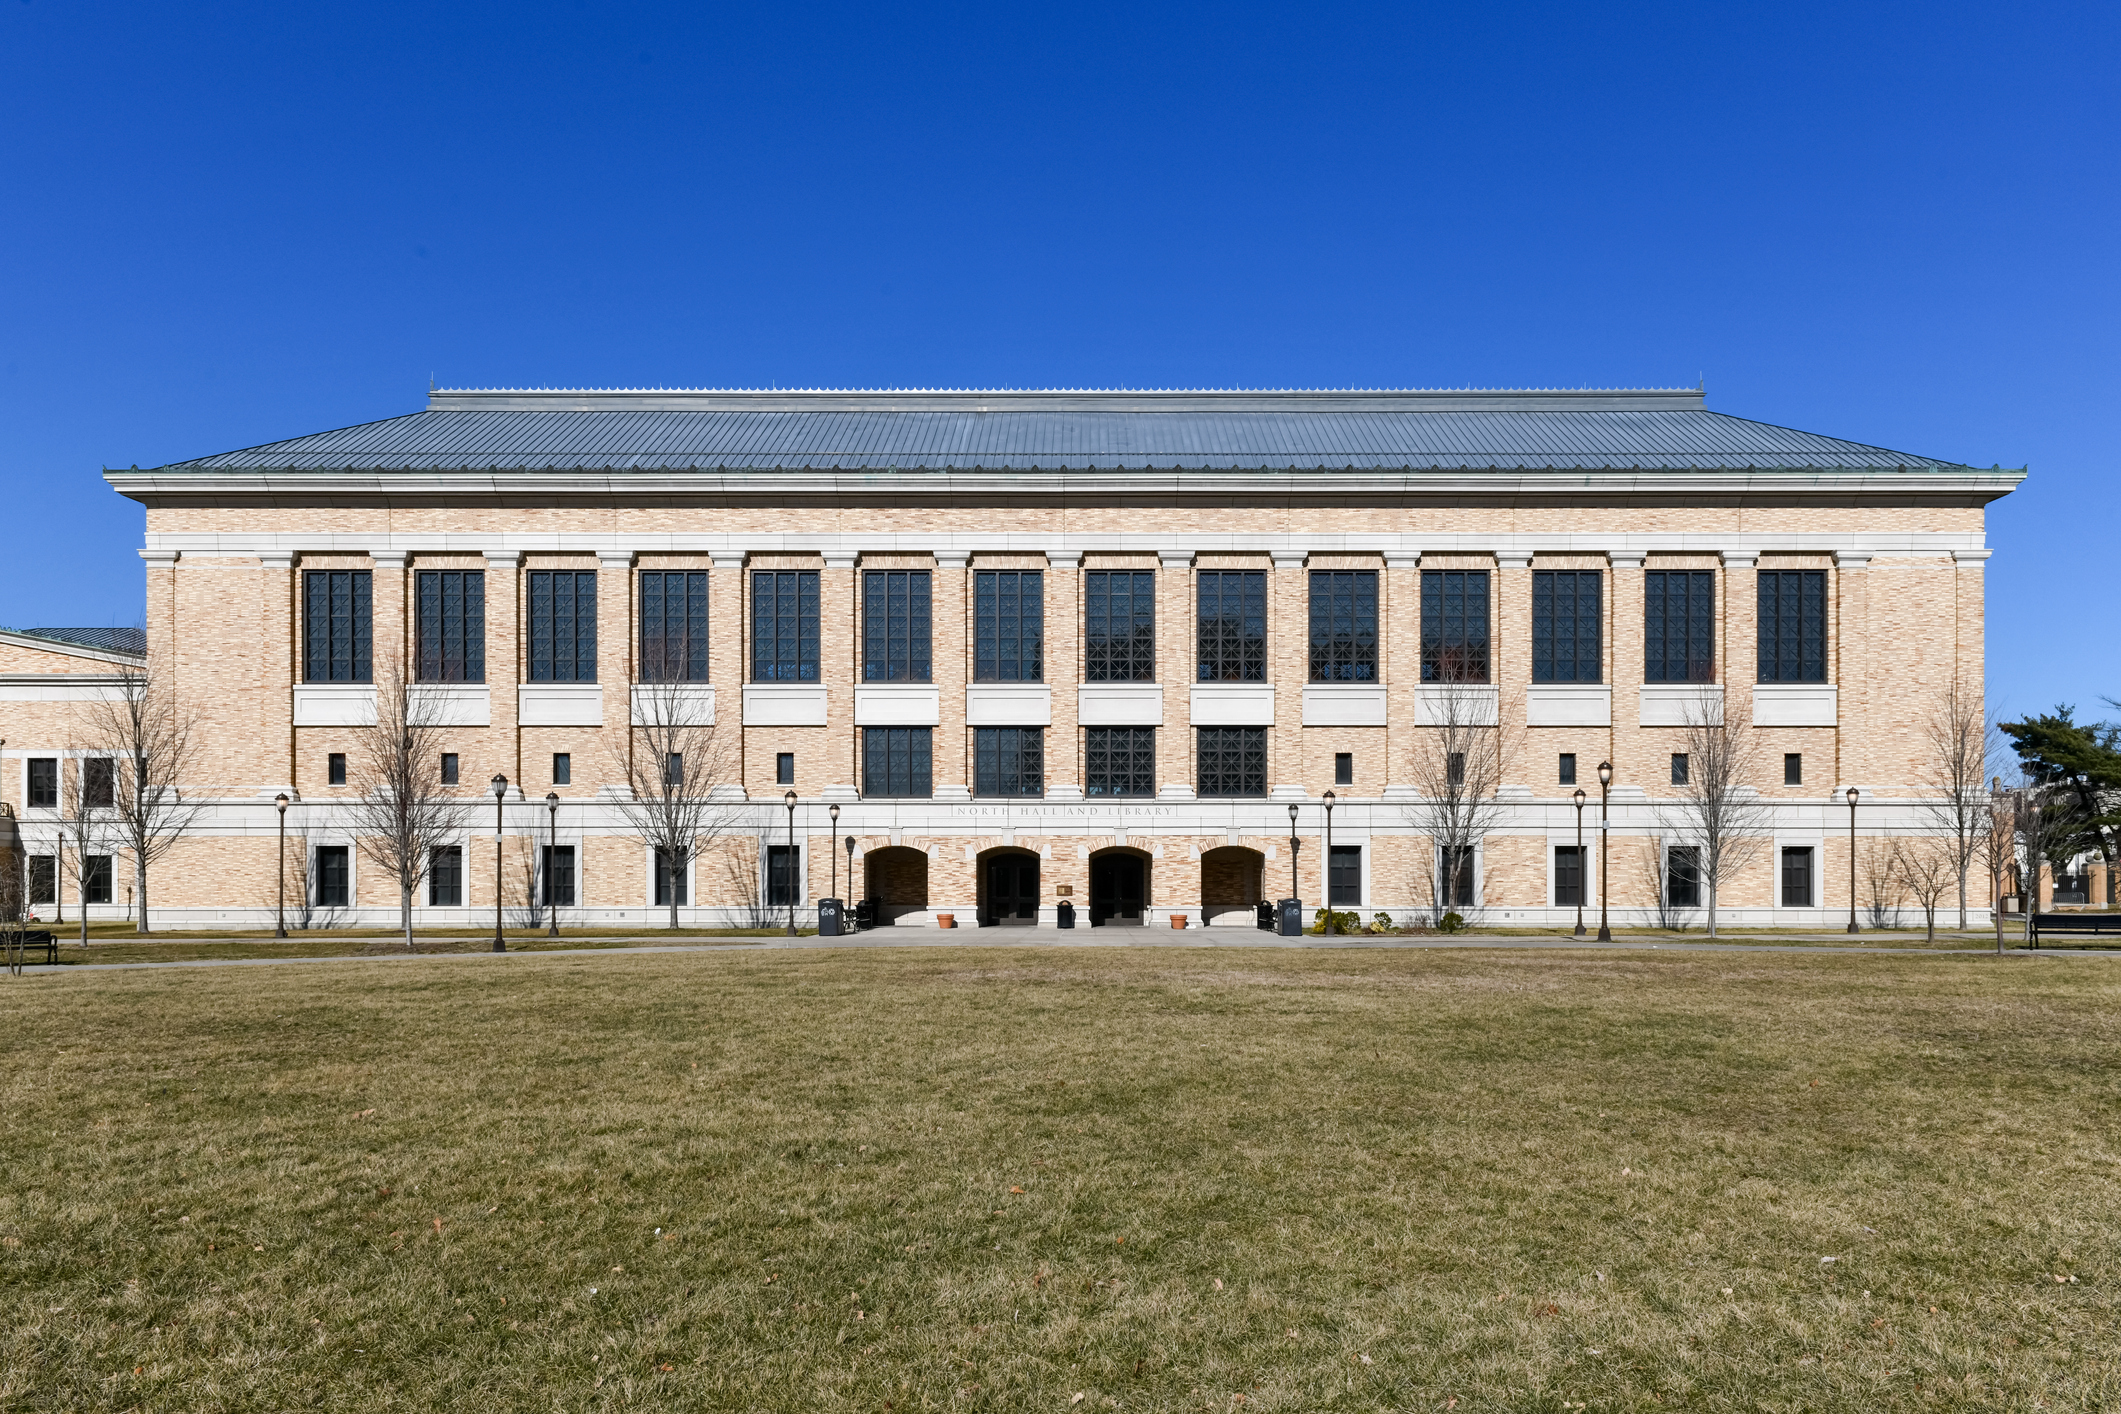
131	641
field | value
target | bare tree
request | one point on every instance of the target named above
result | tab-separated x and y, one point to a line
1962	739
1718	813
401	813
87	800
1998	849
1879	861
740	869
1655	876
1457	766
671	762
151	739
1928	868
14	891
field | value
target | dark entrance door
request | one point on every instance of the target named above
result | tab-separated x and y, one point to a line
1116	887
1012	890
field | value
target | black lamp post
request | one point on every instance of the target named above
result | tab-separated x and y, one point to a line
790	799
1292	857
1605	796
1327	865
1851	798
500	789
552	854
280	926
834	813
1579	861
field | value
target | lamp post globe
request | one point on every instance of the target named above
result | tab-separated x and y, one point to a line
500	790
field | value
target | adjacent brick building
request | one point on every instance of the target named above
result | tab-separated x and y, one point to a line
1055	645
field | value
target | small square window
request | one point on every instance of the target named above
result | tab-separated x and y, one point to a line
784	769
562	768
1793	768
1568	768
1679	768
335	769
449	768
1344	768
674	769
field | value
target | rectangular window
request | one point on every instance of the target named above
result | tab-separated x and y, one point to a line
334	876
1682	877
674	769
44	783
1344	768
1455	873
1454	625
95	879
1679	771
1119	626
43	879
1567	626
784	768
1119	761
1232	761
1793	768
1679	626
781	875
338	623
1797	878
563	626
1568	876
562	768
1344	625
673	626
1344	877
452	625
335	769
896	633
99	782
1009	761
445	877
784	626
1233	625
452	769
668	879
1009	625
898	761
1793	625
556	875
1454	769
1568	768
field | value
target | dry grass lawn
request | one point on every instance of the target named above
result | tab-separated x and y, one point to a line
1068	1181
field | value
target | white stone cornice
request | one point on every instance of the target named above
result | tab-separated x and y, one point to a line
1288	559
159	557
1402	559
503	559
276	559
1064	559
388	559
1971	559
840	559
1740	559
1627	559
726	559
620	560
1513	559
1852	559
952	560
1176	559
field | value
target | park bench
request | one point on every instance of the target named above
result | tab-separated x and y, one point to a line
2075	924
30	941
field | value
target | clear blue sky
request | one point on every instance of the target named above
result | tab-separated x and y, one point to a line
229	223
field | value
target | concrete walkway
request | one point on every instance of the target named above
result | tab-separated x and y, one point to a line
1138	938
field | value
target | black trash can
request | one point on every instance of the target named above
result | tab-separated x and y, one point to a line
1291	912
1064	914
831	922
1264	918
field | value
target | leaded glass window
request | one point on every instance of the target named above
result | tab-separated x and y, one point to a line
784	626
445	877
1679	626
895	626
1793	625
1344	877
1119	761
337	625
1455	874
1009	625
556	875
1566	626
1344	625
1233	625
1119	626
1568	875
1009	761
452	625
669	881
333	875
1454	625
783	875
1232	760
898	761
673	626
1682	877
563	626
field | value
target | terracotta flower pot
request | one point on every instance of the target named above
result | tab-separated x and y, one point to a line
946	920
1178	920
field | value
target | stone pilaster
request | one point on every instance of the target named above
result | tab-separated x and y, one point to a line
1177	645
1064	670
1399	664
1634	757
953	667
616	637
1288	668
1510	661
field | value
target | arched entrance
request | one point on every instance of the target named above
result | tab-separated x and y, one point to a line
895	879
1119	888
1230	886
1008	888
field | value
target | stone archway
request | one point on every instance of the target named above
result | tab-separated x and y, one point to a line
895	879
1119	888
1231	882
1008	888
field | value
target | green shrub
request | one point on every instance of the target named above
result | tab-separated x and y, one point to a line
1344	923
1382	923
1451	923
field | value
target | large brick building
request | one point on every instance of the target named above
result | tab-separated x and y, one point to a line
1047	645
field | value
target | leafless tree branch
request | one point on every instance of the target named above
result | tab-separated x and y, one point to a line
153	740
1718	813
402	812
